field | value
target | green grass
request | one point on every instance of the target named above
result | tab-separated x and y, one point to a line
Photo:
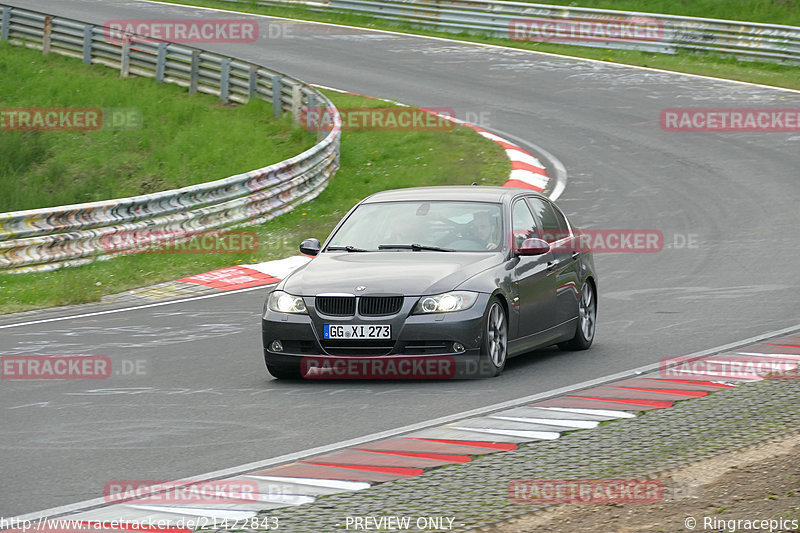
179	142
776	11
370	162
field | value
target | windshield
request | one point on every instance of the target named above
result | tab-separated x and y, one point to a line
428	226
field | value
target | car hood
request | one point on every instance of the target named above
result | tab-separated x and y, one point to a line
402	272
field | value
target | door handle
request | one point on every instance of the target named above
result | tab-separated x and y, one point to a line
551	265
575	255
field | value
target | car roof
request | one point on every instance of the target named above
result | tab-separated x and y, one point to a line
469	193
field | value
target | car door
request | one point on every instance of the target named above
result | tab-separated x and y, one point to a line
534	280
557	232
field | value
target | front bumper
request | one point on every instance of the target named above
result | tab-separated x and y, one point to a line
420	345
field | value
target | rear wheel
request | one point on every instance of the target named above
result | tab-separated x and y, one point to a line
587	318
495	339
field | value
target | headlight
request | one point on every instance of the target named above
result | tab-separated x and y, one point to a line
283	302
445	303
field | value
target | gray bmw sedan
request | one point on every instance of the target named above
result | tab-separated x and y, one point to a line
431	283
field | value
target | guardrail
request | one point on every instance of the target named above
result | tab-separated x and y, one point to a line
584	26
49	238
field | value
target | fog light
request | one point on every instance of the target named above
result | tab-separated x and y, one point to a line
276	346
458	347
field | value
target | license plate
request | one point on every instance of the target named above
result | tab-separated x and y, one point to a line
338	331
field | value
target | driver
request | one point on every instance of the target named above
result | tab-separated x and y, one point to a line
484	228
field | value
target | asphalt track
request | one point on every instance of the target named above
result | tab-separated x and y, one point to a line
202	400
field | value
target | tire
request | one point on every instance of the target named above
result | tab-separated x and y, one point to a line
494	348
285	371
587	320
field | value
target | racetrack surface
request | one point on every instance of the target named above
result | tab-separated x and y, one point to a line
205	401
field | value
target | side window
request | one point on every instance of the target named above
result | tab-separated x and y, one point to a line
523	224
554	225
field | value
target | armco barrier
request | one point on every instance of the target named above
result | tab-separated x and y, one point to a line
565	24
45	239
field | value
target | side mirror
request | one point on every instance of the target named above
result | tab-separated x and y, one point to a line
310	247
533	247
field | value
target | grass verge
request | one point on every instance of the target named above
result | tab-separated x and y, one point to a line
174	140
715	65
370	162
766	11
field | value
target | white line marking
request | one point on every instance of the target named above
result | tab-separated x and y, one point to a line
712	374
586	424
598	412
523	157
222	514
531	178
134	308
323	483
525	434
776	355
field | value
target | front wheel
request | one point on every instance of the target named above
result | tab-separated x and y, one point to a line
587	318
495	339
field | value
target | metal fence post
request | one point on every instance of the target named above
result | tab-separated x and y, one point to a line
277	96
48	29
125	61
161	61
225	80
313	110
194	71
5	25
252	89
297	103
87	44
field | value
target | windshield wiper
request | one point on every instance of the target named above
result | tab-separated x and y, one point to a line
348	248
413	246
